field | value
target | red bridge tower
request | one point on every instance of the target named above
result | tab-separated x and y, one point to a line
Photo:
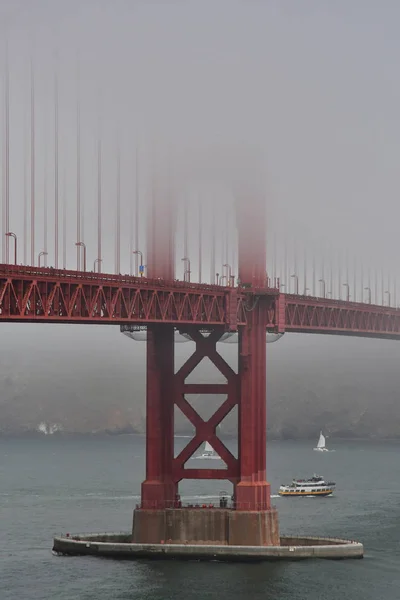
250	520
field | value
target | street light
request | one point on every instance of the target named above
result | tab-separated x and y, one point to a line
296	280
217	278
369	294
43	253
187	270
228	267
221	278
388	293
11	234
324	288
141	268
97	261
82	245
282	286
346	285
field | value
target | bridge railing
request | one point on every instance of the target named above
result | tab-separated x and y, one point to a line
126	279
336	302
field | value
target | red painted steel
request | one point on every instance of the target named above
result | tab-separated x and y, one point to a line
49	295
316	315
159	489
251	238
161	229
165	390
33	294
205	431
252	490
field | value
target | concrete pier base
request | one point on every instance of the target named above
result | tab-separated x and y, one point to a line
120	546
219	526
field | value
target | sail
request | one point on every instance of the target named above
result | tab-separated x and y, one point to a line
321	441
208	448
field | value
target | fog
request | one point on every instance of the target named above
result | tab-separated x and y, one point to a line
302	97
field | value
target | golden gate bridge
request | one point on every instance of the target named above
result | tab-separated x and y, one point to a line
160	235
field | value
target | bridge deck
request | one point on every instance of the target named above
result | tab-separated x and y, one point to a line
29	294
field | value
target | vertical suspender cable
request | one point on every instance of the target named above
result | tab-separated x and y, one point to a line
25	150
200	235
118	219
212	255
7	143
131	208
56	207
64	220
45	207
136	212
99	182
313	276
78	170
3	188
5	164
32	165
355	281
185	228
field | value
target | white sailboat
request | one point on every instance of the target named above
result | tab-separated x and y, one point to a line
321	444
208	452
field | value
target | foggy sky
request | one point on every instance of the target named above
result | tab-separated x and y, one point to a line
311	87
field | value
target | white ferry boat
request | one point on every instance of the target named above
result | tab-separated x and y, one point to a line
315	486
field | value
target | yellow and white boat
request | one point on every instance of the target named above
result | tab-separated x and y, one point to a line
315	486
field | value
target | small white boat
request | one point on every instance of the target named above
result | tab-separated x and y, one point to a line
321	444
208	452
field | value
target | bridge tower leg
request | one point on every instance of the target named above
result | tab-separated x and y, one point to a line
252	491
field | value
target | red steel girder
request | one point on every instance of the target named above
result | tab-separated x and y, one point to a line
30	294
48	295
316	315
205	430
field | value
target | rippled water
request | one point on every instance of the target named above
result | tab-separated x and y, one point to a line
51	485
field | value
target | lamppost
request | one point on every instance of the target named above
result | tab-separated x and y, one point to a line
388	294
43	253
11	234
324	287
221	278
346	285
97	261
229	269
369	294
282	286
296	283
82	245
217	278
141	267
187	270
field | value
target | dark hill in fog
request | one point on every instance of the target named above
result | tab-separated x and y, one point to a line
92	379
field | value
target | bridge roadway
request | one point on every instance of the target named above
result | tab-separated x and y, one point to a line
46	295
